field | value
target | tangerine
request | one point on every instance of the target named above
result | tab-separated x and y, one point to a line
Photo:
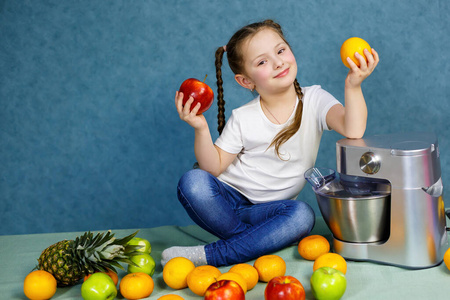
249	273
447	258
175	272
236	278
332	260
39	285
171	297
270	266
201	278
313	246
350	47
136	285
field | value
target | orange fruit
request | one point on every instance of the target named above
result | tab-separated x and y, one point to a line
175	272
249	273
270	266
111	274
201	278
313	246
39	285
447	258
236	278
352	45
136	285
332	260
171	297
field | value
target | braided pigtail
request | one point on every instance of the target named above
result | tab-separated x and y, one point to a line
299	112
284	135
220	101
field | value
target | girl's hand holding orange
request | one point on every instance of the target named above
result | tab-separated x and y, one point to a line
356	75
362	59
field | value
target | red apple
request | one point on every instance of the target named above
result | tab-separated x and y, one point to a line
284	287
200	91
225	290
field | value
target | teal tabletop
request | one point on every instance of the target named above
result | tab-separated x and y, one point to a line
365	280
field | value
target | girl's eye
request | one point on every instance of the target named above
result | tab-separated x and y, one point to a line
281	50
261	62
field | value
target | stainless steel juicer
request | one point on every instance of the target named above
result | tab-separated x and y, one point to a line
385	204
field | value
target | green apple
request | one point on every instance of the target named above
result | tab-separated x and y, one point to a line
146	247
145	263
328	284
98	286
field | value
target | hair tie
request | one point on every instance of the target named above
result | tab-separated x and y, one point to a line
225	48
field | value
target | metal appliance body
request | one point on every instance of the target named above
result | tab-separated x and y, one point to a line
417	235
337	209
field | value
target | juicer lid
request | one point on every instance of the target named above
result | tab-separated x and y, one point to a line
401	144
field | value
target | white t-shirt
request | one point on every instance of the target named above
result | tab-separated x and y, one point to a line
257	172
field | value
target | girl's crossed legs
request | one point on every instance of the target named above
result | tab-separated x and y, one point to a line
246	230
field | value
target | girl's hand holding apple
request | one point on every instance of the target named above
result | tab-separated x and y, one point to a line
192	100
200	91
188	114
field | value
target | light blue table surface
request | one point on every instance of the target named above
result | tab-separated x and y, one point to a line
365	280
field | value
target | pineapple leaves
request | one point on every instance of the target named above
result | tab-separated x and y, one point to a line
127	261
125	240
116	264
103	250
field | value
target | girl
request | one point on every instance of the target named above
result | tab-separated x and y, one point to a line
245	188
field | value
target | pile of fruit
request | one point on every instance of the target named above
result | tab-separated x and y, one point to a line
327	282
95	258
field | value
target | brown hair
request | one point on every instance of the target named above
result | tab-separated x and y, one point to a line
236	62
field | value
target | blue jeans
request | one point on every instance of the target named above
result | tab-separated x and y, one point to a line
246	231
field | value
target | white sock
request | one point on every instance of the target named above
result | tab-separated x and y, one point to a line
196	254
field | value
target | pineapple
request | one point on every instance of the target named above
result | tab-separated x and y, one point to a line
71	260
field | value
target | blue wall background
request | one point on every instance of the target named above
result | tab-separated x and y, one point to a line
89	135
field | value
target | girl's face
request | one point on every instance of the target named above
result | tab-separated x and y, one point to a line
269	63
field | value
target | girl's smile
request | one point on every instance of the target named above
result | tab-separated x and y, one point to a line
282	74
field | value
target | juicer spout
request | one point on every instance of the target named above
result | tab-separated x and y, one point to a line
319	177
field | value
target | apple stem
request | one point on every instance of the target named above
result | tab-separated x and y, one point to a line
205	78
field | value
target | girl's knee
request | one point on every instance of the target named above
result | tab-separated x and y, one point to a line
192	180
304	216
194	185
190	176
